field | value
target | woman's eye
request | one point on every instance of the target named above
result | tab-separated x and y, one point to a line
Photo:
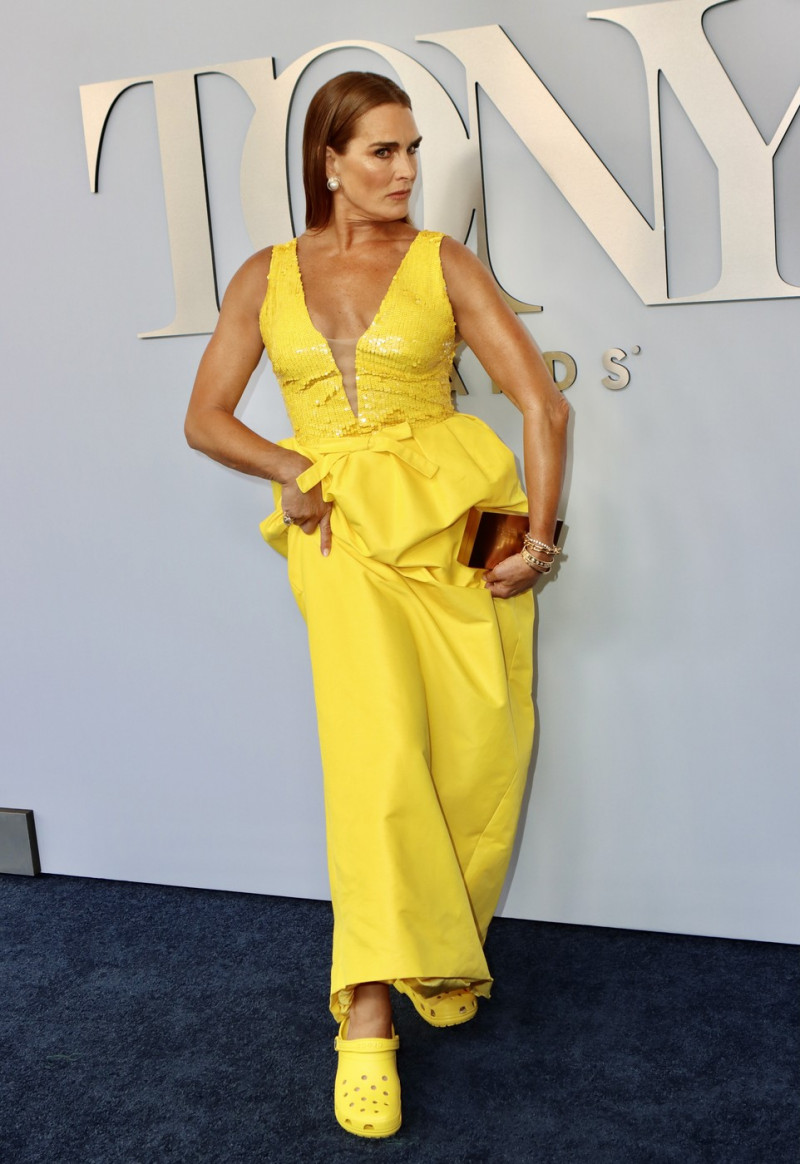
413	149
382	152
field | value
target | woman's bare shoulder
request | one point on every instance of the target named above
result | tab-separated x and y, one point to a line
248	286
255	269
459	259
464	273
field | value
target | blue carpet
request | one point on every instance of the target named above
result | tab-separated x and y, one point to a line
144	1024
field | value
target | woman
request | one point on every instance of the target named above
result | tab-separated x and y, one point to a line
422	666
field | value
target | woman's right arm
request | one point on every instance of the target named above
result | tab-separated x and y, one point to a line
228	363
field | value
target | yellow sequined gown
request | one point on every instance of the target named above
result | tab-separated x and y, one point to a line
422	680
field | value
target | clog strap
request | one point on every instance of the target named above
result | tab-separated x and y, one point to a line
366	1046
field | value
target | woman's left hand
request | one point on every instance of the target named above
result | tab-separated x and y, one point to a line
509	577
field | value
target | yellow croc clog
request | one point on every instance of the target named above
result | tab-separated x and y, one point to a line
441	1010
367	1089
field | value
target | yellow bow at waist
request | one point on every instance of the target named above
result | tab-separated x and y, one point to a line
386	440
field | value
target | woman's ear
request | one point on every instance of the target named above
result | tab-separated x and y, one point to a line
330	160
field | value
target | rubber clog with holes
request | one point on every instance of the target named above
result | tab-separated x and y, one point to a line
442	1010
367	1088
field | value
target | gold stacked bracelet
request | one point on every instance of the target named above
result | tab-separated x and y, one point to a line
532	543
531	551
536	564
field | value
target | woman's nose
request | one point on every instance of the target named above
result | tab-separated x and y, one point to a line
406	166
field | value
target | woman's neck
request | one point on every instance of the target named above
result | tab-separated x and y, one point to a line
343	232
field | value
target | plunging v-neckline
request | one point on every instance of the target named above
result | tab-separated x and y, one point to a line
364	333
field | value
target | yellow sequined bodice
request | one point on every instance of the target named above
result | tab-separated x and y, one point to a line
403	359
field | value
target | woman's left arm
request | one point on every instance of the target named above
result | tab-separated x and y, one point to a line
510	356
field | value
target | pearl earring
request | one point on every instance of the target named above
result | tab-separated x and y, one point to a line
333	184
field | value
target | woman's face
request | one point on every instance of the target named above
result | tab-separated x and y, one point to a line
379	165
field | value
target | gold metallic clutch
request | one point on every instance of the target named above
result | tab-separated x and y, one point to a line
492	535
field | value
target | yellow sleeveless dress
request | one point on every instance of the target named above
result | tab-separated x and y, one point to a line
422	680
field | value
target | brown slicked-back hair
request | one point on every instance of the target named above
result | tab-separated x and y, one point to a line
331	121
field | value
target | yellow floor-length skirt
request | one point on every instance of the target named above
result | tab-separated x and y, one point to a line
423	690
425	722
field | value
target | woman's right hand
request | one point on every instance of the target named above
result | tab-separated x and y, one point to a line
308	511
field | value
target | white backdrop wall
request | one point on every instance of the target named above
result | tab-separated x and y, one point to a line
156	698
